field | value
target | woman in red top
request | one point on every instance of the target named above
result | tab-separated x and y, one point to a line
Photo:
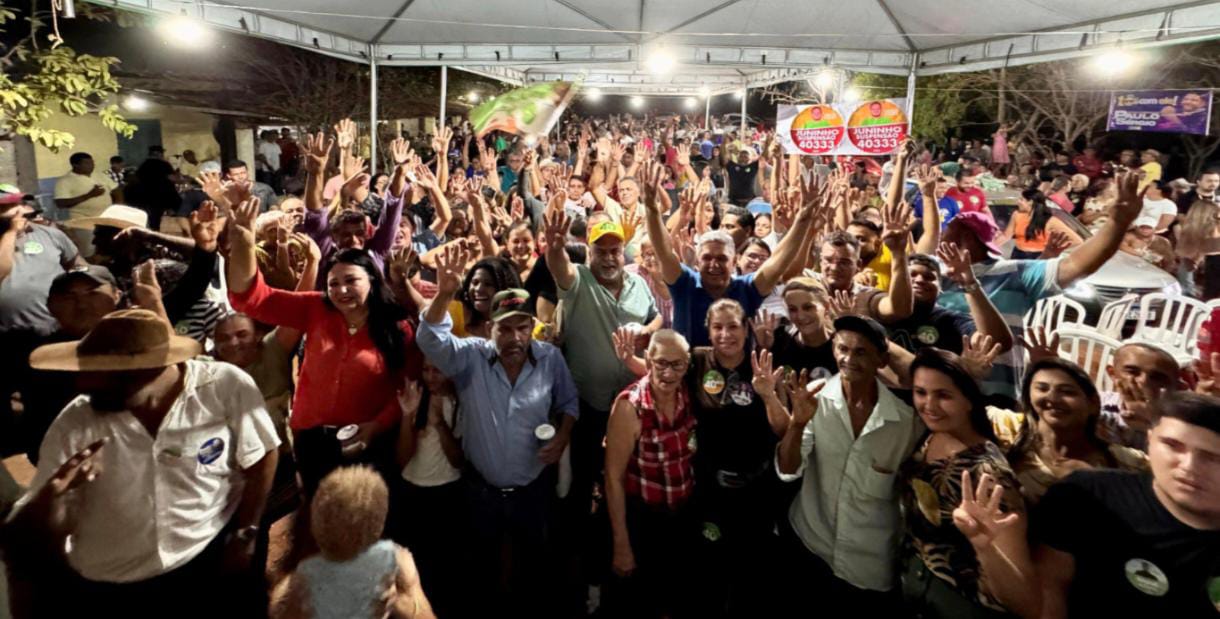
358	347
650	477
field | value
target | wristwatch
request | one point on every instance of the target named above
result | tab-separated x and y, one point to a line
972	287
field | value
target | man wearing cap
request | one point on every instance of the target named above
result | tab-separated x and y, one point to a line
1014	286
166	462
518	405
844	523
597	300
31	255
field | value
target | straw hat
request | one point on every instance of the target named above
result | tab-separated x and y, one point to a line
133	339
116	216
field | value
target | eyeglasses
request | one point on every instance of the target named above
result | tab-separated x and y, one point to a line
676	366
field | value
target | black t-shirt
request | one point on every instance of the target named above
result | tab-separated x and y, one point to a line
733	432
741	180
790	353
1133	558
931	325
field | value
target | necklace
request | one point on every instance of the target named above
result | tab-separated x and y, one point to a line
352	330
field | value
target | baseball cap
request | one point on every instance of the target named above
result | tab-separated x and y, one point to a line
10	194
508	303
604	228
982	225
98	275
1142	221
869	328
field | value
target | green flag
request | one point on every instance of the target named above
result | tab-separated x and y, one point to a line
526	111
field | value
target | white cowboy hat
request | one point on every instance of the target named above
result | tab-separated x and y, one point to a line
116	216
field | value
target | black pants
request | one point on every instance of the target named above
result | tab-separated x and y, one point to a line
807	583
511	571
430	521
318	452
737	544
587	530
14	377
664	582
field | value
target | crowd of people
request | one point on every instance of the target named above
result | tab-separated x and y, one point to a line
638	367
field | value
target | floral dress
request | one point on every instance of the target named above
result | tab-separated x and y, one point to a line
930	493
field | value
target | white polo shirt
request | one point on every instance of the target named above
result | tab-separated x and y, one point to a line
157	503
847	511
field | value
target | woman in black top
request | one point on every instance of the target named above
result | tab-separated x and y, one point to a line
801	342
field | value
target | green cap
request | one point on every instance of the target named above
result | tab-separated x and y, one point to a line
510	302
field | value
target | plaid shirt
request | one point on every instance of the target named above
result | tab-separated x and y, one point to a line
661	473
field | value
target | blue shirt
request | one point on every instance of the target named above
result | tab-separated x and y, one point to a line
1014	286
948	209
691	302
497	418
705	149
507	178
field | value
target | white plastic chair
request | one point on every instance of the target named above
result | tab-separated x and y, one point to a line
1176	327
1091	350
1114	316
1053	311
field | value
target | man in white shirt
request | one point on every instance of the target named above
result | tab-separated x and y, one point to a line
154	480
848	446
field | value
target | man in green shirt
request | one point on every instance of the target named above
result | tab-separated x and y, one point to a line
596	300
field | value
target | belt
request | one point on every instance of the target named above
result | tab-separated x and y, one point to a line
739	479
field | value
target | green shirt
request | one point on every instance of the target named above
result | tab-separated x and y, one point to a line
590	315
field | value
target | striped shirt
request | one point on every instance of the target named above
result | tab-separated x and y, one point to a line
661	471
1013	286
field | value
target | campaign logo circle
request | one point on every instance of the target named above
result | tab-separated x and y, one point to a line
877	127
817	130
1145	576
927	334
210	450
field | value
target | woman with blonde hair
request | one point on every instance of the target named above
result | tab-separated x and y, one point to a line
1199	250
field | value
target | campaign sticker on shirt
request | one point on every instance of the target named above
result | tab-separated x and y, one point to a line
1146	577
1213	592
210	450
741	393
32	248
713	382
974	199
927	334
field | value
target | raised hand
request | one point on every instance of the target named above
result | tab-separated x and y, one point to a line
979	353
980	519
1130	198
242	226
841	303
214	187
603	150
400	151
450	267
765	375
683	154
764	325
145	289
316	151
624	343
517	208
1057	241
866	277
346	132
958	266
440	141
409	398
896	227
206	225
401	263
653	178
352	167
80	469
313	253
424	176
1135	404
556	228
1039	345
1209	375
804	401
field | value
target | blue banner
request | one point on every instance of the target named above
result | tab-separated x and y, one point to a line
1163	111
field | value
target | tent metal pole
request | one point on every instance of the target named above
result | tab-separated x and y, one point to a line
444	93
372	114
707	111
911	91
745	96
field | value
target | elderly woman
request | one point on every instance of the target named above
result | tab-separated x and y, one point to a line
1058	432
650	479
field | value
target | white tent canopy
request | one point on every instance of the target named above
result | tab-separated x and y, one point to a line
716	45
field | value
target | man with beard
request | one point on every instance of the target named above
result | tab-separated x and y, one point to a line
158	474
518	405
1205	190
1126	544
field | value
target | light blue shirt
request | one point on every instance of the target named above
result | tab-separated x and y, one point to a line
1013	286
497	417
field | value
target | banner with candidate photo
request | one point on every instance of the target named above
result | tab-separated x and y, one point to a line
1161	111
873	127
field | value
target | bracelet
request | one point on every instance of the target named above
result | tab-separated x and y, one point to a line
973	287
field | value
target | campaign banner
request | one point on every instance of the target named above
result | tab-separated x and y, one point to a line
874	127
1161	111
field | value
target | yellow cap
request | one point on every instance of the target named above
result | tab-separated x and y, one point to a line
604	228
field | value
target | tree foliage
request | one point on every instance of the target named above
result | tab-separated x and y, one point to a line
39	74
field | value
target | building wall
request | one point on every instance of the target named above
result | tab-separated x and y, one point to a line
180	130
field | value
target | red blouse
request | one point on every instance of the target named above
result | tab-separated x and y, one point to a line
343	377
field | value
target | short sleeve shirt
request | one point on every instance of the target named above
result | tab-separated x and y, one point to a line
73	185
41	253
930	325
691	303
741	180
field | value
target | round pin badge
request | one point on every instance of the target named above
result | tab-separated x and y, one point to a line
713	382
741	393
927	334
32	248
1213	592
210	450
711	532
1146	577
692	443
